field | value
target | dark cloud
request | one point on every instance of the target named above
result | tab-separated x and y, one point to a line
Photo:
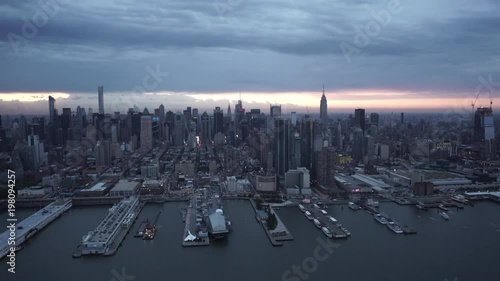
228	45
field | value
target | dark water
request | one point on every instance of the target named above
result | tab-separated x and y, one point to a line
465	248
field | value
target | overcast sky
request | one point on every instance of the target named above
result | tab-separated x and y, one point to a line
414	50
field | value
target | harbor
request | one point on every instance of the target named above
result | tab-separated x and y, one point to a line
107	237
372	208
324	221
34	224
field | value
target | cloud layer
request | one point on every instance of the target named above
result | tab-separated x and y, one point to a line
428	47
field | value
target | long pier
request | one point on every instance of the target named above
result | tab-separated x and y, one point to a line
109	234
33	224
373	211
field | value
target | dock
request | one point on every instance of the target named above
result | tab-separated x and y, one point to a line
277	236
33	224
107	237
140	230
326	220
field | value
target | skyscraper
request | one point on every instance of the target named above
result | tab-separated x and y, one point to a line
205	129
483	124
325	163
359	118
52	108
281	145
146	133
323	109
218	121
100	92
275	110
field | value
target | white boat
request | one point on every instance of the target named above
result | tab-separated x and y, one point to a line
460	199
444	215
332	219
394	227
353	206
442	207
372	202
308	215
316	206
323	212
381	219
327	232
302	208
317	223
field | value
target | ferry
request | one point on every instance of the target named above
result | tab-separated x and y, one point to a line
444	215
381	219
302	208
343	228
460	199
317	223
308	215
394	227
353	206
372	202
327	232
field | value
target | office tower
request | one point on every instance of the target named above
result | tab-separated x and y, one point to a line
102	153
229	112
178	134
281	147
359	118
323	109
114	133
34	145
483	124
369	149
307	135
195	117
100	92
402	117
374	119
358	147
52	108
294	118
218	121
146	137
205	129
239	114
275	110
295	158
325	166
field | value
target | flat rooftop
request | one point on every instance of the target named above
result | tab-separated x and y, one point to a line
125	185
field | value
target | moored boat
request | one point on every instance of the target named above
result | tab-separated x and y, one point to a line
381	219
327	232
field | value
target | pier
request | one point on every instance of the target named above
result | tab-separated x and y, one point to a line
277	236
325	220
109	234
34	224
140	230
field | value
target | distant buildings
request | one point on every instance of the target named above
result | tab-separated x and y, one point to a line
100	93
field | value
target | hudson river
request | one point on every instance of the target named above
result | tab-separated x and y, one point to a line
467	247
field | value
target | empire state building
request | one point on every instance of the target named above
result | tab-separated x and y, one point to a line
323	109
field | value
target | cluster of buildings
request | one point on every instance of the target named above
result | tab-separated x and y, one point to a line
292	154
